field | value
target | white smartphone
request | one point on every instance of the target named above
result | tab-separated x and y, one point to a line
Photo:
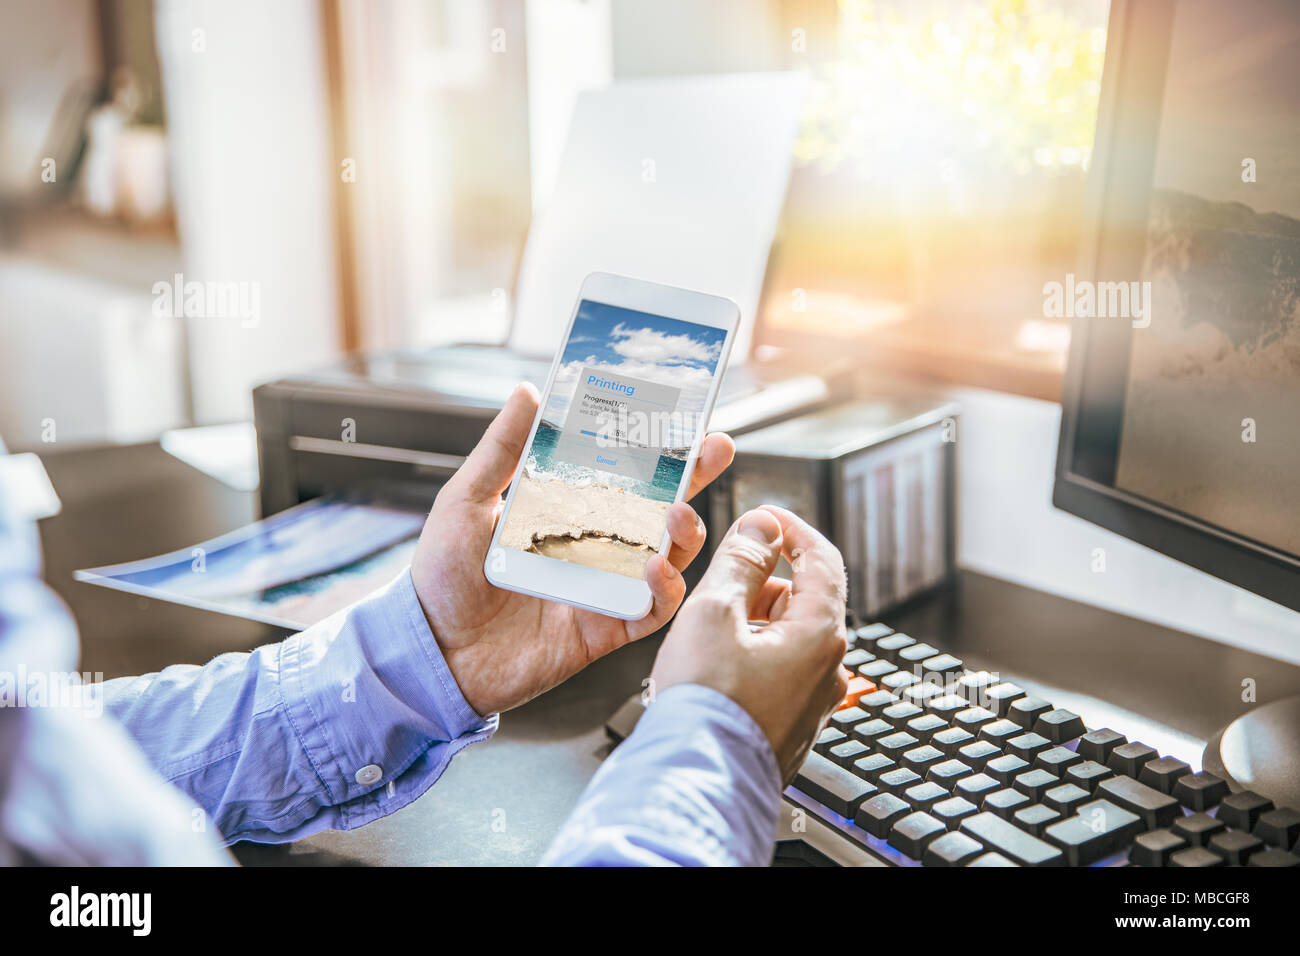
614	444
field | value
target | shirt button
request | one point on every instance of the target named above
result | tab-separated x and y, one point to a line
369	774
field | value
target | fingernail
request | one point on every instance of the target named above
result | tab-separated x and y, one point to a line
758	527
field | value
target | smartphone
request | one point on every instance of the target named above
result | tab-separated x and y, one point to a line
613	445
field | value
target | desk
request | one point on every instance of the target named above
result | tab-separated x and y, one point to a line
122	503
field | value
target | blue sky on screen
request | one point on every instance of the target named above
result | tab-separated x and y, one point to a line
652	347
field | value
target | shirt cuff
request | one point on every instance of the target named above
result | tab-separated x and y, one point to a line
374	703
696	783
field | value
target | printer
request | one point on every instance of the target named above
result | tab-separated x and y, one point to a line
399	424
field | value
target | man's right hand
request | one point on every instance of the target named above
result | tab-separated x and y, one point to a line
787	675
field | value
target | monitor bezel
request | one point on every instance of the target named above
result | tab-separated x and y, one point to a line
1080	488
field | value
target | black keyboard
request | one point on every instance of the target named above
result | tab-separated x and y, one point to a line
930	764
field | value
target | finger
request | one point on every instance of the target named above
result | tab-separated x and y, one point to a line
771	596
490	466
745	559
686	531
667	589
716	452
818	587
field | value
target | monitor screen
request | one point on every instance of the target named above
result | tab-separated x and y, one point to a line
1182	406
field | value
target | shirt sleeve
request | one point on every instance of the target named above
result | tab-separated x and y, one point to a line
343	723
695	784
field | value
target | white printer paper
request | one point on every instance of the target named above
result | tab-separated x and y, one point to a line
678	180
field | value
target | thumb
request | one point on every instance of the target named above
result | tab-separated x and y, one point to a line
490	466
745	559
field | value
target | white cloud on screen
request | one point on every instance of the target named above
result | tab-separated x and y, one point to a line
648	345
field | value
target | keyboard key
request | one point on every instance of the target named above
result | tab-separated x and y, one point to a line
1196	856
899	681
991	859
977	753
921	758
898	780
1097	744
1200	791
848	751
1098	830
1129	758
974	787
1059	725
913	833
915	653
1235	846
1163	773
1198	828
1035	783
867	635
952	811
844	718
1241	810
899	714
1087	775
1006	768
877	814
856	689
1153	807
1273	857
831	785
1057	760
941	667
1025	710
876	670
951	849
1155	848
1027	746
1000	697
873	704
921	693
896	744
947	706
973	718
999	732
869	731
828	738
1279	828
1004	802
888	647
1035	818
924	795
856	658
1066	798
951	740
872	766
926	726
1012	842
972	684
946	773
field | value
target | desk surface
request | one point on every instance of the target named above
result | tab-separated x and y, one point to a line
1170	689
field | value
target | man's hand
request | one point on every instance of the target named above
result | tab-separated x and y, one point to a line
505	648
786	675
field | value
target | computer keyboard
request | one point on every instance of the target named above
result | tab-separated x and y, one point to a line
927	763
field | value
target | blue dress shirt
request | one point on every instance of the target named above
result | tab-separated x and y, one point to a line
334	727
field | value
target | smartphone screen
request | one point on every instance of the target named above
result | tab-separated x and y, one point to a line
625	408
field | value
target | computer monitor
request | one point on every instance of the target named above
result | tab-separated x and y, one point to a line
1181	408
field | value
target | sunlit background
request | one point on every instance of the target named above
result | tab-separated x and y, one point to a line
938	181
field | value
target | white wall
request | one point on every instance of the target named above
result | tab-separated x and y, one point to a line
1008	528
252	170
